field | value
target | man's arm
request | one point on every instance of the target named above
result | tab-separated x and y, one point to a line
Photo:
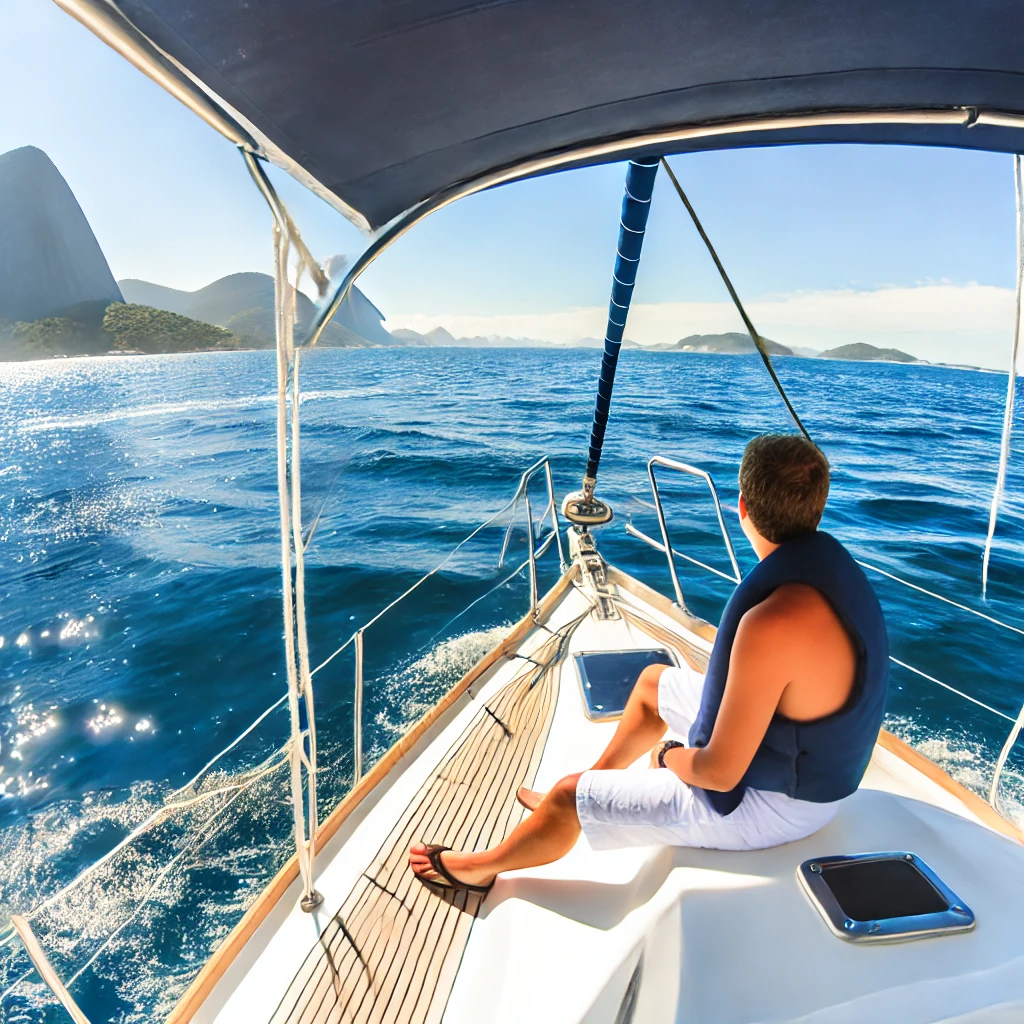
759	670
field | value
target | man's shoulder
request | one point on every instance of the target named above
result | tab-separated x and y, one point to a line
790	607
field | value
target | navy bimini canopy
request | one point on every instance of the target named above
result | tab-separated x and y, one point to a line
388	102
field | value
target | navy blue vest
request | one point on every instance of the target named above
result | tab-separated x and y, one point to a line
822	760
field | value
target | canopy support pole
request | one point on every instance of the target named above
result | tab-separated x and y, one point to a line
581	507
1011	384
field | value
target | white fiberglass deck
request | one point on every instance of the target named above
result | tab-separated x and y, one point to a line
723	937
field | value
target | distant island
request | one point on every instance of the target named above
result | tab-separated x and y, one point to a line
733	343
861	351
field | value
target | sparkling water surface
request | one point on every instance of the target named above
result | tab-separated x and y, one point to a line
140	613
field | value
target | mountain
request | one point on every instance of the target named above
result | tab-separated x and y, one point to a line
438	336
244	303
49	257
733	343
863	352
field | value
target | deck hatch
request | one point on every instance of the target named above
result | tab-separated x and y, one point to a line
883	897
607	678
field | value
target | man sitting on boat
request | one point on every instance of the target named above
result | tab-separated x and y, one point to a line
779	730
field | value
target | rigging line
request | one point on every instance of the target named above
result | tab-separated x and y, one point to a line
1011	385
267	767
284	313
751	330
320	511
437	568
952	689
496	586
234	743
158	881
939	597
10	988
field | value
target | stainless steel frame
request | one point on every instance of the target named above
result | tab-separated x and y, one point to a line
666	545
111	26
957	918
614	715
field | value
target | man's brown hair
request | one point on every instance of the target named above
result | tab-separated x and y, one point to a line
784	481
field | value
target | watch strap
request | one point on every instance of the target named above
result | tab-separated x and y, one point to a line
665	748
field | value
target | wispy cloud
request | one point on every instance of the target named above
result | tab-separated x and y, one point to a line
940	322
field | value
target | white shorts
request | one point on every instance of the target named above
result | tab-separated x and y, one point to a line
642	806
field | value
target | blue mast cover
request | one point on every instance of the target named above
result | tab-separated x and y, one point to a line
636	206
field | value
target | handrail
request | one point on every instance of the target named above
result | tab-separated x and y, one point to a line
1017	723
683	467
658	546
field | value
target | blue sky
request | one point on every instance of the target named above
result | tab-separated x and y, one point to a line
895	246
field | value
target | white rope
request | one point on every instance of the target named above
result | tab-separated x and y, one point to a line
231	746
157	882
1011	740
155	818
10	988
284	308
305	677
1011	386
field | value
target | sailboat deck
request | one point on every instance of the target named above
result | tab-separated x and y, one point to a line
562	942
391	951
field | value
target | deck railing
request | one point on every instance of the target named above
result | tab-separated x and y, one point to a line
1017	724
181	798
535	552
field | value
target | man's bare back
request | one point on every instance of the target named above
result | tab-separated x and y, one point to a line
792	656
815	651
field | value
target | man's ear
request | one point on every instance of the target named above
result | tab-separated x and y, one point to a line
743	508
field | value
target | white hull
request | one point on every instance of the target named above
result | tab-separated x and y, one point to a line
724	938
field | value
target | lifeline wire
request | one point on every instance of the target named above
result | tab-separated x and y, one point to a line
1011	386
751	330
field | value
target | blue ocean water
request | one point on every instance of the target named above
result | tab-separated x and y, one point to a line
140	610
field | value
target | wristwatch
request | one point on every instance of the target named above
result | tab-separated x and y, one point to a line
665	748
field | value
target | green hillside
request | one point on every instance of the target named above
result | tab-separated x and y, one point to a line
732	343
863	352
135	328
245	303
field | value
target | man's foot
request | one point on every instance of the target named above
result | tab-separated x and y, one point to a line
463	867
529	798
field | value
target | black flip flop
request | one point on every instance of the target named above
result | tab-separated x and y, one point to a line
451	887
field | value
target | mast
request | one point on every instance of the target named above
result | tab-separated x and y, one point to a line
581	507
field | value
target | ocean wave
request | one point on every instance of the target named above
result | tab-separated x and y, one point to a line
148	486
967	759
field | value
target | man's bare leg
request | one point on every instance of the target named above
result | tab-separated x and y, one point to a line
546	835
639	728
